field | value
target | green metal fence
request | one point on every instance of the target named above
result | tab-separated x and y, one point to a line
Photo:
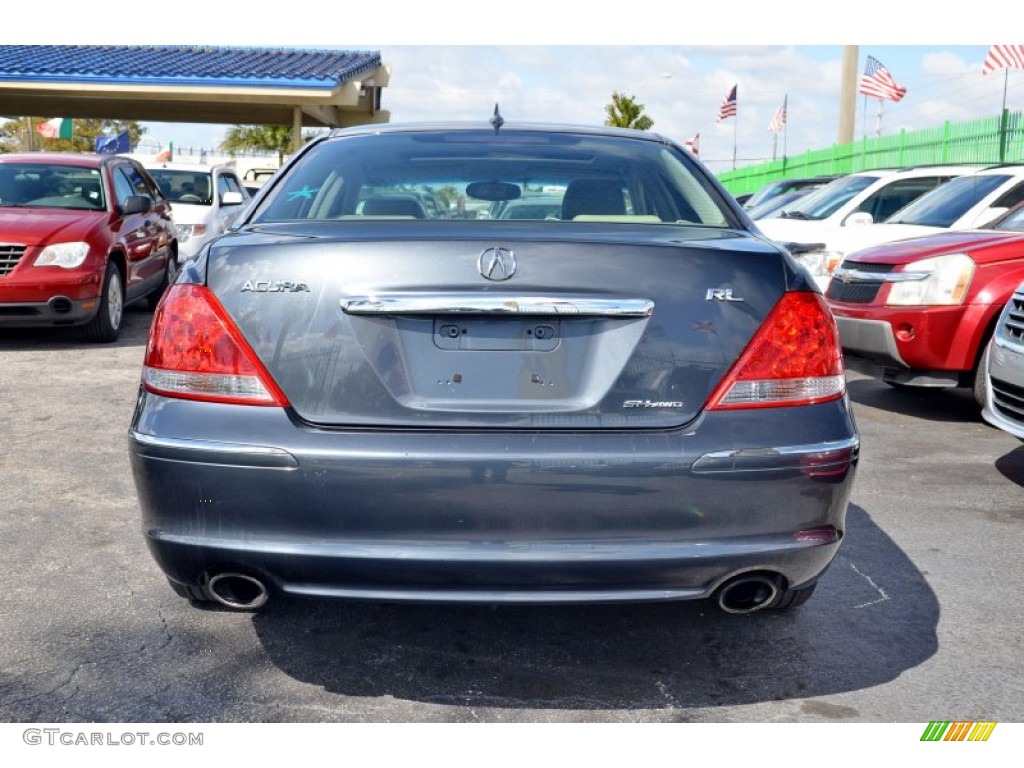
986	141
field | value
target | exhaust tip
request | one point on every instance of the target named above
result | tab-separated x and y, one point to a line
748	593
236	590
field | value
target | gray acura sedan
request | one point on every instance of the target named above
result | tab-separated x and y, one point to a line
639	399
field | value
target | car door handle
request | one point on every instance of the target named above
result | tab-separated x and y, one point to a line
494	304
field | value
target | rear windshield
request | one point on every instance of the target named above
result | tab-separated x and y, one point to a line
184	186
42	185
483	175
943	206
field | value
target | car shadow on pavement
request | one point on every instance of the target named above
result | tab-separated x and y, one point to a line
1011	466
949	405
873	617
134	333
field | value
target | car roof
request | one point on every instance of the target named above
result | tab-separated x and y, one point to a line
594	130
193	167
88	159
920	170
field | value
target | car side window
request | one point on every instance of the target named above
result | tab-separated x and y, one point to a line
891	198
228	182
123	188
1010	198
152	188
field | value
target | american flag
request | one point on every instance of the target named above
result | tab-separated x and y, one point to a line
779	119
728	108
1004	57
693	144
878	83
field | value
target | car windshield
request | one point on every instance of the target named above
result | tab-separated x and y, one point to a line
767	192
944	205
823	202
457	175
43	185
185	186
1013	221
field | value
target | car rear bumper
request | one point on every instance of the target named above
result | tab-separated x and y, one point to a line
490	517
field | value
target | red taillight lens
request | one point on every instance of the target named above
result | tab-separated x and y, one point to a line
196	352
794	359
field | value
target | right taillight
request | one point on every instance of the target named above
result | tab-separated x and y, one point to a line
794	359
196	352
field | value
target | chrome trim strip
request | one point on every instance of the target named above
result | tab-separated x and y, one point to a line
493	304
814	456
861	276
208	452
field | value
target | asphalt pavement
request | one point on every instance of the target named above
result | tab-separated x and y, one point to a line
917	620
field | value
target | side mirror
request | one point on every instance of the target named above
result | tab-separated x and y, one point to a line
136	204
858	218
231	198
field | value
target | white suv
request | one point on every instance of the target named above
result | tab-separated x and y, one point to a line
857	199
967	202
205	200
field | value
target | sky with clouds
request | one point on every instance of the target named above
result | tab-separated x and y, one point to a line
551	61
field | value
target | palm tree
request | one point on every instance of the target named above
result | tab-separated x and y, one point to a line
624	112
264	138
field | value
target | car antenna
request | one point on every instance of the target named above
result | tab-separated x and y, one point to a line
497	121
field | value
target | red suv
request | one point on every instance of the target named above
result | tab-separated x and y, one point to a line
80	236
921	312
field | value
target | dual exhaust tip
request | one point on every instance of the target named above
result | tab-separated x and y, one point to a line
746	593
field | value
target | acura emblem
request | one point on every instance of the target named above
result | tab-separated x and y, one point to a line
497	263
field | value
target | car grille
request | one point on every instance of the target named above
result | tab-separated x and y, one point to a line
1008	400
10	255
1013	327
858	293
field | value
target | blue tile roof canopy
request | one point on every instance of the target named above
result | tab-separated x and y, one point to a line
189	65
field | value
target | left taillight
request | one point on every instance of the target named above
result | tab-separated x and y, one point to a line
196	352
794	358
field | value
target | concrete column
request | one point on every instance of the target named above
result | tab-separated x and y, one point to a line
296	129
848	95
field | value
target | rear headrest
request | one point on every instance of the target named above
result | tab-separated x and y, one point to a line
597	197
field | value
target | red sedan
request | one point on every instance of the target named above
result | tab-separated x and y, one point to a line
80	236
920	312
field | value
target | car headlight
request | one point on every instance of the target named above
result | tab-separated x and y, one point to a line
188	231
67	255
820	263
942	280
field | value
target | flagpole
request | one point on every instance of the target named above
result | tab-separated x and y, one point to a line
878	120
1006	77
735	131
785	125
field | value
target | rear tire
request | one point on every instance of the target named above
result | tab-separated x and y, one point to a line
794	598
980	385
105	327
191	593
170	273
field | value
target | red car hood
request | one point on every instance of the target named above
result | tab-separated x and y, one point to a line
35	226
983	245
